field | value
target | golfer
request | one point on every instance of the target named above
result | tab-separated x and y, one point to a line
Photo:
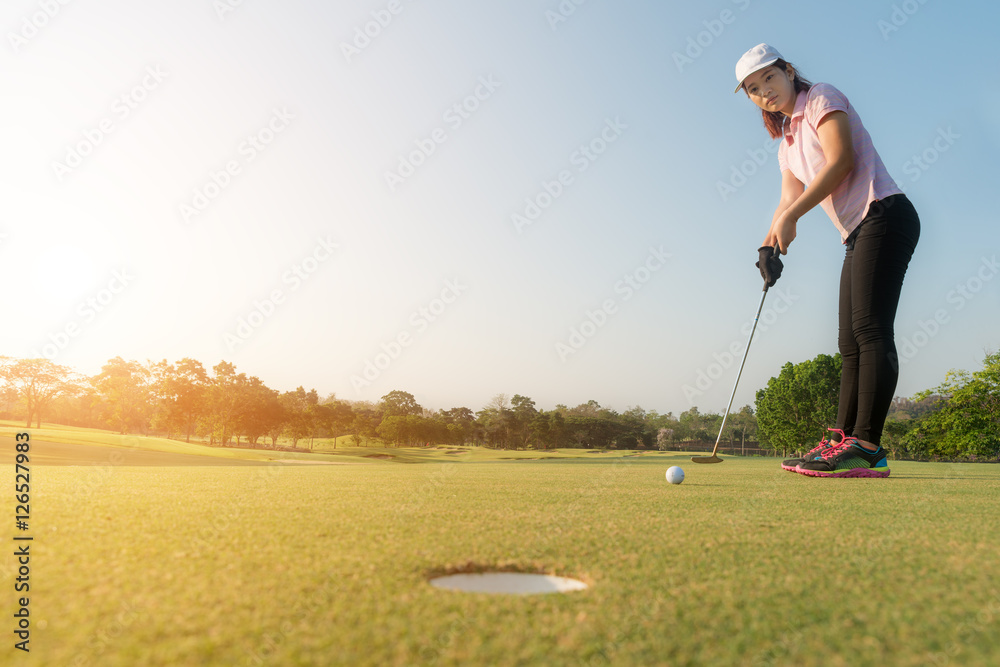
826	157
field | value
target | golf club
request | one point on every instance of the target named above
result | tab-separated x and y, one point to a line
713	458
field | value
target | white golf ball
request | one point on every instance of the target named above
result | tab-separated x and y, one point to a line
675	475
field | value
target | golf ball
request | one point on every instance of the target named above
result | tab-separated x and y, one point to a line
675	475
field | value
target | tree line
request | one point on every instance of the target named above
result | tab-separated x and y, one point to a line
184	400
960	419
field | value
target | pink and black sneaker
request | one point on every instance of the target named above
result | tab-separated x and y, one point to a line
849	459
824	445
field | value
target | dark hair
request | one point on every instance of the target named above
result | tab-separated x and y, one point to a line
774	121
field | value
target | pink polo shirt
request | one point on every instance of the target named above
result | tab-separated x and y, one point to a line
801	153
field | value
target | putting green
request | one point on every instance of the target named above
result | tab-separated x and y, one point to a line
303	565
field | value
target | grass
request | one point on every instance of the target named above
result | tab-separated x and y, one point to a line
325	565
323	452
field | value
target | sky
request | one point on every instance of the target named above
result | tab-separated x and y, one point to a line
562	200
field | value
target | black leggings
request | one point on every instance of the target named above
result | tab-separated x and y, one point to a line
878	253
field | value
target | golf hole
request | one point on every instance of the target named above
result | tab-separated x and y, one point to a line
503	578
519	583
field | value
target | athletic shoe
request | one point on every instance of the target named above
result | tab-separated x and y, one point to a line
824	445
849	460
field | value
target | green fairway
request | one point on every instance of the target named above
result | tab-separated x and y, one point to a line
320	565
64	445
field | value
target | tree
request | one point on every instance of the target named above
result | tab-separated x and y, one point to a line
968	423
595	432
904	435
183	389
399	404
663	437
260	411
37	382
589	409
711	424
8	400
558	434
277	424
126	387
690	425
522	414
338	417
299	413
496	421
460	424
797	406
224	402
366	420
637	430
744	423
81	406
541	429
393	429
399	410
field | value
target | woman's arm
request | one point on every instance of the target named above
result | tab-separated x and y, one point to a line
835	138
791	190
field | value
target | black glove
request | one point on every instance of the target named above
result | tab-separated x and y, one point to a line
770	265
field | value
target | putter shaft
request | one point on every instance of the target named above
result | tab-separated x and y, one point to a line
740	373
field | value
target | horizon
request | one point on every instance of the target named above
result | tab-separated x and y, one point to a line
332	396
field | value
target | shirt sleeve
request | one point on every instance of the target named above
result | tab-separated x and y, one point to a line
823	100
782	159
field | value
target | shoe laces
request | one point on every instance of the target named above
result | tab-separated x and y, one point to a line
837	447
824	443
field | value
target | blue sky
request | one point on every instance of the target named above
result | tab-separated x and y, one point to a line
200	180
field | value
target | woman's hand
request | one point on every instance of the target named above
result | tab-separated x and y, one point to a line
782	232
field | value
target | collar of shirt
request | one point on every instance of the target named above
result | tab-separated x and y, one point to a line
797	114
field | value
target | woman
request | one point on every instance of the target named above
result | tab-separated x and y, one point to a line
826	157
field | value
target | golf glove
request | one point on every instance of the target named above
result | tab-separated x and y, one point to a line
770	265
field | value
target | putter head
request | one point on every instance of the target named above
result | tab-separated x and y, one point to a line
706	459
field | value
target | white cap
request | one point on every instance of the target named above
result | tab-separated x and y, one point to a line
753	60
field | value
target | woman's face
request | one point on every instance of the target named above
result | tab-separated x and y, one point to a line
772	89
